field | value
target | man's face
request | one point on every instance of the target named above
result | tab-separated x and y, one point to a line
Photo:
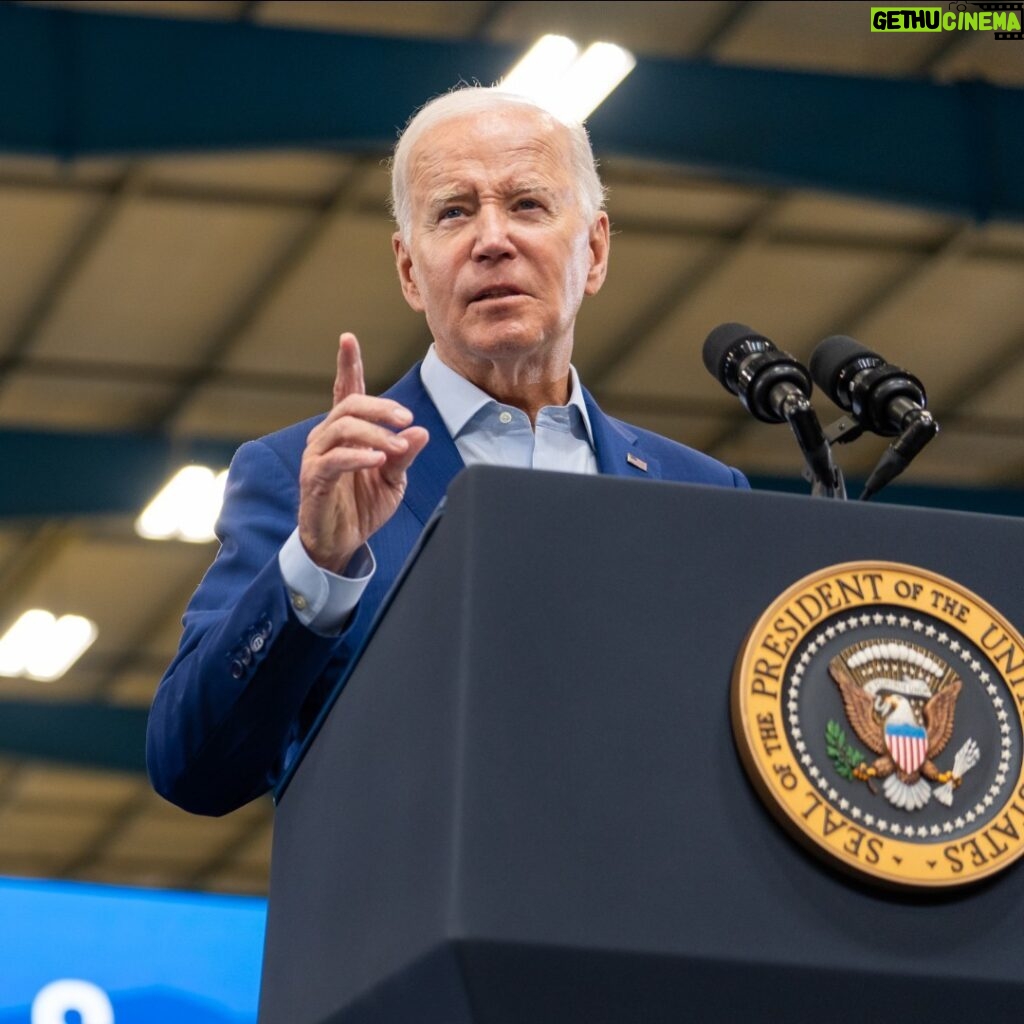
498	255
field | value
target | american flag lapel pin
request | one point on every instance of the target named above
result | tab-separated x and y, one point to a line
633	460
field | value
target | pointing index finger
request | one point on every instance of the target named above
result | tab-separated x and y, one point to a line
349	379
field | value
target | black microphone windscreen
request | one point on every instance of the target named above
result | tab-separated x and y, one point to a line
719	342
830	358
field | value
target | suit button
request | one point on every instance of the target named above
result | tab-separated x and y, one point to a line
237	669
256	644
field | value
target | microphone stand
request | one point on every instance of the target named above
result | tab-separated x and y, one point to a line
825	476
920	428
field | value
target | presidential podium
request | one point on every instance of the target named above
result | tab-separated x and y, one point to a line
526	804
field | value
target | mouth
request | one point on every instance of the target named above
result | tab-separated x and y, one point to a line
496	292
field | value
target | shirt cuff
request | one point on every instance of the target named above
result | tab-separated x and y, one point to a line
323	600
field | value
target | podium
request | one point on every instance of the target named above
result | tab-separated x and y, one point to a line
526	804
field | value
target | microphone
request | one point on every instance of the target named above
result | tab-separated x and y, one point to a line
764	378
883	398
775	388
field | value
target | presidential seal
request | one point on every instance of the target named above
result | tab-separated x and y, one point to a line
879	710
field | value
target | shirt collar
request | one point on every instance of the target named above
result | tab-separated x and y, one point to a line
458	400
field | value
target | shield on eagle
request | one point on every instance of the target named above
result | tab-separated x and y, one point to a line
908	745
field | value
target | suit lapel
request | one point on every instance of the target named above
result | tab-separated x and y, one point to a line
437	465
619	452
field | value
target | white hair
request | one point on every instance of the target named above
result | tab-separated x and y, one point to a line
473	99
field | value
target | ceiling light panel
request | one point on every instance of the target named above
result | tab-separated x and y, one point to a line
186	508
42	646
555	75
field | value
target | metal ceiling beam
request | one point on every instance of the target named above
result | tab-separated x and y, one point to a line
70	474
76	82
80	82
950	147
91	735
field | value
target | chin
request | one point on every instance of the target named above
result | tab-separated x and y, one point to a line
505	343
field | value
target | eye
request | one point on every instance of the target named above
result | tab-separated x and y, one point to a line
451	213
529	204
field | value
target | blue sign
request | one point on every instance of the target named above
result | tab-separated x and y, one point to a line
84	954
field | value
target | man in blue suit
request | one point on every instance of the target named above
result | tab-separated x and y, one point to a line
501	235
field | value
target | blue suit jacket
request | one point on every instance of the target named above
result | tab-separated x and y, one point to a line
249	679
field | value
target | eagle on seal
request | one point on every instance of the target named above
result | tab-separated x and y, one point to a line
901	702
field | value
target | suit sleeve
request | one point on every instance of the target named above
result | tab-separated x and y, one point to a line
227	711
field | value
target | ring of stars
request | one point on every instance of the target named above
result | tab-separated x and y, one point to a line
821	781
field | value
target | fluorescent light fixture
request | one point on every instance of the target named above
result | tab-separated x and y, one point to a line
542	67
556	76
591	79
43	647
186	508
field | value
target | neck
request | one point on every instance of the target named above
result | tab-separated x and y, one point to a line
519	384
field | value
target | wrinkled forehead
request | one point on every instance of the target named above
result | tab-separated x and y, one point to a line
512	146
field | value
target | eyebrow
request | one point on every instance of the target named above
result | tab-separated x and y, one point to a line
449	197
531	186
514	192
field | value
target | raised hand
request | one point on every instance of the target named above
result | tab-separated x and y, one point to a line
353	469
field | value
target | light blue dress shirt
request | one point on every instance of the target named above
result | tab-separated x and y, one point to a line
484	431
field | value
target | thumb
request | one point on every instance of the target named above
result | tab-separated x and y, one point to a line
395	467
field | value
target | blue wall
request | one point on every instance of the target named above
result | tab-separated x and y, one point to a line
152	957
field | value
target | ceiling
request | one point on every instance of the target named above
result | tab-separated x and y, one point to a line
202	296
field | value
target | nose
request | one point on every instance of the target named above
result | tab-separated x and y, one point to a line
492	240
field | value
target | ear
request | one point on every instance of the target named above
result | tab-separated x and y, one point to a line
406	275
600	242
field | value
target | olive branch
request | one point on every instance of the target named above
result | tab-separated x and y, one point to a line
843	756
